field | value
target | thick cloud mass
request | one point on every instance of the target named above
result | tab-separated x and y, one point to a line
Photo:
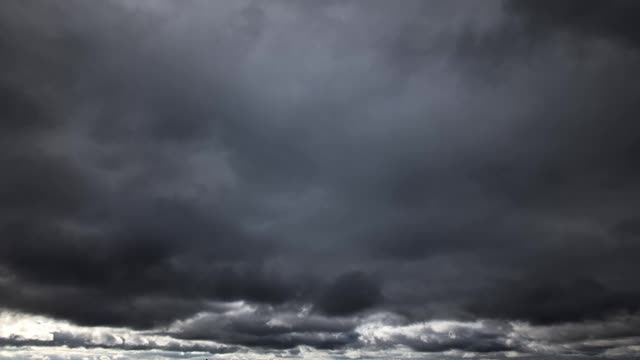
438	177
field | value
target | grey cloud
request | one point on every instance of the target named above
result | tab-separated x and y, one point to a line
438	160
270	328
72	341
613	19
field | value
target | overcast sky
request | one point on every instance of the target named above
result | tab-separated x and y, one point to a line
320	179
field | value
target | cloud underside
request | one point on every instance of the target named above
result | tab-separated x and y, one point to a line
243	331
233	178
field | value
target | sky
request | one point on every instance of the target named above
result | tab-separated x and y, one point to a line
280	179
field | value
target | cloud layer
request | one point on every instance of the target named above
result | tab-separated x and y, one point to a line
443	177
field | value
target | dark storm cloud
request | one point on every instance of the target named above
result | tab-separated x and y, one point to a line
66	230
438	160
271	329
349	293
551	301
617	19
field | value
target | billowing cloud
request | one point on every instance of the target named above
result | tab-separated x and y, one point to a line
428	179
